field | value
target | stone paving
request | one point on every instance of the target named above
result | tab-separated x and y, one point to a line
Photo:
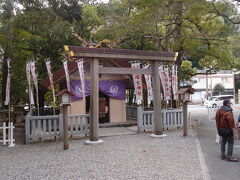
135	156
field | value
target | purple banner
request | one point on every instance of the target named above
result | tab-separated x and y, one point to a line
114	89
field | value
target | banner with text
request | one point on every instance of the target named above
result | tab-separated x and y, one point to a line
137	81
81	74
148	79
65	65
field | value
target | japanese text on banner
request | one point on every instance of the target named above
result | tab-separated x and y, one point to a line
65	65
29	79
148	79
174	81
81	74
137	80
165	79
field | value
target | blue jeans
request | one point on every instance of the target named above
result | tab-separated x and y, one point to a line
230	142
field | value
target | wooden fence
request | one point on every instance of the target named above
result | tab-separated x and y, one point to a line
7	132
38	128
172	119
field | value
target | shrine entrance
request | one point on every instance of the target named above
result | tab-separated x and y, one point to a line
96	54
103	107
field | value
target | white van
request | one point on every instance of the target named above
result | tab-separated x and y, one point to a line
217	101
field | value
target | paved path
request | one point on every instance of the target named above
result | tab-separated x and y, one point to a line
206	130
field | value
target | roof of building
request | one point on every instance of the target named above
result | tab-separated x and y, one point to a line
59	75
113	57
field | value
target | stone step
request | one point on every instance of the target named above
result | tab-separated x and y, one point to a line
123	124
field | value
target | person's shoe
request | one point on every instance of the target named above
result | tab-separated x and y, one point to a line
223	156
231	159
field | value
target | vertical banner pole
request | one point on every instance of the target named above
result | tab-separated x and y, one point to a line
185	118
65	127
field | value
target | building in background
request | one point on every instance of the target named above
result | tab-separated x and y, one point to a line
226	78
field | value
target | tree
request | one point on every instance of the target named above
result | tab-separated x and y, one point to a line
219	88
187	71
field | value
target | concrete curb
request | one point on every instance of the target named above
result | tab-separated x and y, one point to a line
203	164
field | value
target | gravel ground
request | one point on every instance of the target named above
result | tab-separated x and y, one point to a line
136	156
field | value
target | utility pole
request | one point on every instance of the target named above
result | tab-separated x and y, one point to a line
206	84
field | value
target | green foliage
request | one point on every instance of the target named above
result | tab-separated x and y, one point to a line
219	88
187	71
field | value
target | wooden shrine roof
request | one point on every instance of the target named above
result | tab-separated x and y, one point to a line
59	75
113	57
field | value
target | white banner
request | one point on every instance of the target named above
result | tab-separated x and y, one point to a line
50	75
65	65
137	80
7	97
148	79
28	73
165	79
168	83
34	75
174	81
81	74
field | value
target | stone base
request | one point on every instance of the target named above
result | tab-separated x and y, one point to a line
158	136
11	145
88	142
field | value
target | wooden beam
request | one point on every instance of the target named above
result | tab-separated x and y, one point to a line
94	99
124	54
158	128
119	56
112	70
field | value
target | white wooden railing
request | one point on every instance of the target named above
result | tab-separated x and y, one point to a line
7	131
172	119
39	128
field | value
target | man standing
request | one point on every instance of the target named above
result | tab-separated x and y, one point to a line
225	124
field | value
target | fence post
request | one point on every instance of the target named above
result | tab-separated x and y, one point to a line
164	118
4	133
61	126
11	144
140	120
27	129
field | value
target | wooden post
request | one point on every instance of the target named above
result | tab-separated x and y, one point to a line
158	129
206	85
94	99
65	127
185	118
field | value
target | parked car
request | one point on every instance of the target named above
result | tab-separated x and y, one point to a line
217	101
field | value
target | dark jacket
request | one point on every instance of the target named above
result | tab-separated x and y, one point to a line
224	118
